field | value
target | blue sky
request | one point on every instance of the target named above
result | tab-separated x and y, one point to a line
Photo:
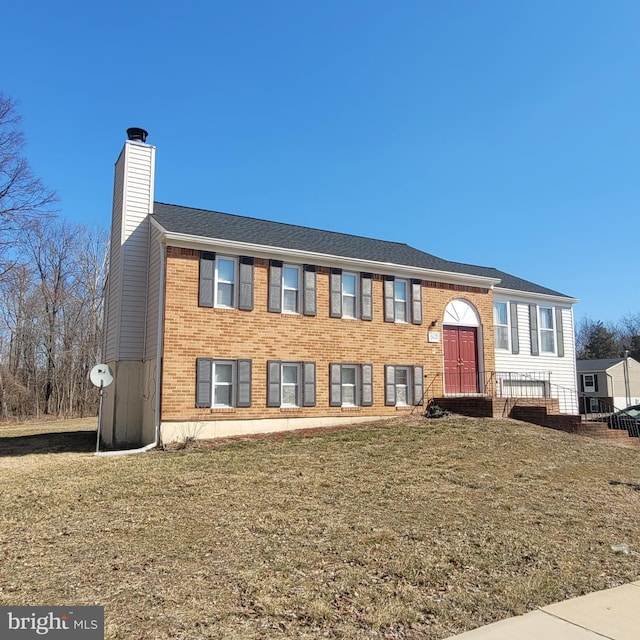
492	132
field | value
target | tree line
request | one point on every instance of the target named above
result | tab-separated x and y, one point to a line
595	339
52	275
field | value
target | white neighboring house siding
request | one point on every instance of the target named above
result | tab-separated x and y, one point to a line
562	369
153	294
128	306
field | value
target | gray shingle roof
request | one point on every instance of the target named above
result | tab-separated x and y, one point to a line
214	224
597	365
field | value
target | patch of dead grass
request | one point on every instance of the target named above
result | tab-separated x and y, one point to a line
404	529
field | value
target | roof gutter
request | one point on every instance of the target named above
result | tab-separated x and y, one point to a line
531	294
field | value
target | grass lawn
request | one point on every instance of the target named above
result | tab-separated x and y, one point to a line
404	529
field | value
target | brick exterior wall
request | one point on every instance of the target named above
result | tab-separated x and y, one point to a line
191	332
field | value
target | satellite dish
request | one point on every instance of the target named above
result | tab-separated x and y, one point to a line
101	375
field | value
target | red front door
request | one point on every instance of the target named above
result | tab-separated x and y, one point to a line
460	360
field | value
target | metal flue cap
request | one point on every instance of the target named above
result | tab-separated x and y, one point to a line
135	133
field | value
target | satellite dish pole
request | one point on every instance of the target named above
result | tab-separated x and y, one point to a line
101	376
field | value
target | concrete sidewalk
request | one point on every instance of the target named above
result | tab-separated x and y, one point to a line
614	614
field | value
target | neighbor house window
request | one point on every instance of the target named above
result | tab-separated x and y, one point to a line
223	384
547	330
291	384
501	325
589	382
225	286
402	300
350	295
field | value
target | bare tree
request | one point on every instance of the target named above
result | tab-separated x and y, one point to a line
23	198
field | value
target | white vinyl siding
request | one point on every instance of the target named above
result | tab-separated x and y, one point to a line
153	295
563	369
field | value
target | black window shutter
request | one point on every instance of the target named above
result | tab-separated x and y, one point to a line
335	385
416	301
203	382
418	380
515	339
559	332
243	369
309	293
533	329
207	268
245	301
366	295
389	307
273	383
309	384
595	381
275	288
367	385
335	293
389	385
582	382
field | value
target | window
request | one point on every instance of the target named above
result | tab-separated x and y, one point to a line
400	300
291	384
501	325
351	385
589	382
349	295
547	330
403	385
292	289
225	282
223	384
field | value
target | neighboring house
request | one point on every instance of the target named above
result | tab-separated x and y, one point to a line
218	324
608	385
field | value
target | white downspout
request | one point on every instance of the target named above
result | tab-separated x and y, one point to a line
156	441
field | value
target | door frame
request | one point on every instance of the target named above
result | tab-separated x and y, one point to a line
462	313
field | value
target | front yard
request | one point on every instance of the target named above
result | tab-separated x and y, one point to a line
403	529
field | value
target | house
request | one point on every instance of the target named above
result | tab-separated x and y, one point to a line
218	324
608	384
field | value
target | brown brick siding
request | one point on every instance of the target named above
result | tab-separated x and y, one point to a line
191	332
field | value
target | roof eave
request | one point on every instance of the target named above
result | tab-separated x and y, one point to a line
542	296
188	241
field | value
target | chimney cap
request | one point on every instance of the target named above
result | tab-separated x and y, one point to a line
135	133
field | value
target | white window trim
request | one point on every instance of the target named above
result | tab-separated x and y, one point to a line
356	385
551	330
508	326
214	385
298	384
234	300
299	291
356	309
409	386
592	387
405	301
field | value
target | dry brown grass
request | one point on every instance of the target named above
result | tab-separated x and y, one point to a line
405	529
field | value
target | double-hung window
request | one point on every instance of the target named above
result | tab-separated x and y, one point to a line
290	289
400	300
349	295
547	330
291	384
225	282
403	385
501	325
351	385
225	286
223	384
589	382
